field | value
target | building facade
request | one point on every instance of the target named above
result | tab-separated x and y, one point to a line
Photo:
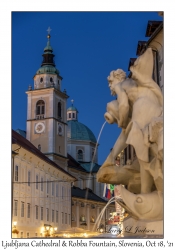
41	197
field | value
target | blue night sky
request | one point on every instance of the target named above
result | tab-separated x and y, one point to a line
87	46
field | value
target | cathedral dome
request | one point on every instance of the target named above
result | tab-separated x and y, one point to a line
78	131
72	108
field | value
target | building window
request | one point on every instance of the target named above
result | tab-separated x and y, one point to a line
82	204
36	234
56	216
22	209
28	178
80	155
53	186
52	215
47	214
56	190
41	183
62	193
69	115
65	218
22	174
73	115
51	79
36	212
82	218
36	181
22	235
41	213
69	219
16	173
40	109
16	208
62	215
28	210
47	186
28	234
39	147
59	110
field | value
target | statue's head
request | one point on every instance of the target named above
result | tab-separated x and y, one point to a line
116	76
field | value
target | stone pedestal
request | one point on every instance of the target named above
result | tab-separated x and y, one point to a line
135	227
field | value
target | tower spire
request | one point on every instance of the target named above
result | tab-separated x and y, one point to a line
48	56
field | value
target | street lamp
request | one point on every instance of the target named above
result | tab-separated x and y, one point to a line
14	230
47	231
55	229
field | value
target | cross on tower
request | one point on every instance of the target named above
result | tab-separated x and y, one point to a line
49	30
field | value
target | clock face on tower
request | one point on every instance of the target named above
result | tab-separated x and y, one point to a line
39	127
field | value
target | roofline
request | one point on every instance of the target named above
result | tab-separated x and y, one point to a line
81	198
20	140
160	27
52	153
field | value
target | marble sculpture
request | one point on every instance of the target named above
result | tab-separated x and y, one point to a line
138	111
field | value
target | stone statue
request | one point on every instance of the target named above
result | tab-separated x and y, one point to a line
138	111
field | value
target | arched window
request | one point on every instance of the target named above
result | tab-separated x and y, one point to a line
40	109
80	155
82	218
16	173
59	110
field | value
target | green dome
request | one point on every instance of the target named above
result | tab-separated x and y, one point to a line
72	108
47	69
78	131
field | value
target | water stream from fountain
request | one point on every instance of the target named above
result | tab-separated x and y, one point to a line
100	216
89	179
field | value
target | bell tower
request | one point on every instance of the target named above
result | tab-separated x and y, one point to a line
46	110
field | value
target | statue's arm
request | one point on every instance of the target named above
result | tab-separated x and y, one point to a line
119	145
123	106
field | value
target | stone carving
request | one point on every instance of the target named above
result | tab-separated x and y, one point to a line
138	110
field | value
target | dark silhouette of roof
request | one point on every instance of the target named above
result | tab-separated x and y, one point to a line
23	142
72	163
86	193
151	27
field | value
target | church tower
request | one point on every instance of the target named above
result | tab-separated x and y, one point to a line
46	110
